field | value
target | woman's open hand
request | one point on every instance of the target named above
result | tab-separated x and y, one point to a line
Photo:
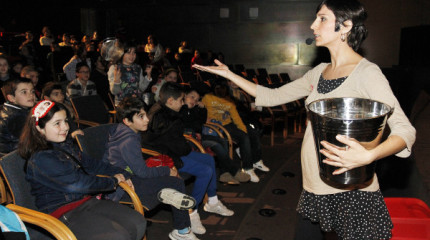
221	69
346	158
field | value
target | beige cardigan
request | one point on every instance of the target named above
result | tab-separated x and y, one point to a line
365	81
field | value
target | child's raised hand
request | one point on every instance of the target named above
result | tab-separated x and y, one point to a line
221	69
117	74
148	69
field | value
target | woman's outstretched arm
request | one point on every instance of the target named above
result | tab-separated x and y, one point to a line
223	71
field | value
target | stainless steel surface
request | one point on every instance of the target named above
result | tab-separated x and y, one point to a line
111	50
358	118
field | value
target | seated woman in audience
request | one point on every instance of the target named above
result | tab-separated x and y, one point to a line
126	78
222	109
154	47
64	180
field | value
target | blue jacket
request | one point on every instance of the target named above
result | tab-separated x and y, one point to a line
124	151
12	120
56	179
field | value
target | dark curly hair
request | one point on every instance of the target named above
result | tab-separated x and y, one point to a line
351	10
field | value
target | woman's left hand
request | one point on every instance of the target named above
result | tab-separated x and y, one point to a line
346	158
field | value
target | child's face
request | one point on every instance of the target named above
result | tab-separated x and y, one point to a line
17	68
129	57
33	76
4	66
140	122
83	74
57	128
57	96
192	99
24	95
171	77
175	104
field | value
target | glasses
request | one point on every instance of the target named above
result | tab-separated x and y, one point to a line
85	72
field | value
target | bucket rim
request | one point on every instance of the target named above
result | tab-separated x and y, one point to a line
390	109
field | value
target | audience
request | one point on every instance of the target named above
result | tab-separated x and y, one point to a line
65	182
124	151
82	85
53	91
223	110
194	115
20	98
66	41
31	73
80	55
126	78
170	75
165	134
47	37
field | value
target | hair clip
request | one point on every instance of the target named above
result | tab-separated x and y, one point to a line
41	109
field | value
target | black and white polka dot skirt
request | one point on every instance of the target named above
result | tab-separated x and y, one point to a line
352	215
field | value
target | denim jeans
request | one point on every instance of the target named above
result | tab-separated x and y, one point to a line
243	141
202	166
147	190
220	147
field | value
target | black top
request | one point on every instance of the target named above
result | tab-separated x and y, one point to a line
326	86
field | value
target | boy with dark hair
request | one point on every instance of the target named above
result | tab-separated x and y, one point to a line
124	150
82	85
20	98
165	134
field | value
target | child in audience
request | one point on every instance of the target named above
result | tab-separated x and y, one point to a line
80	55
4	74
169	75
64	180
126	78
54	92
124	150
223	110
31	73
82	85
194	115
4	69
20	98
165	134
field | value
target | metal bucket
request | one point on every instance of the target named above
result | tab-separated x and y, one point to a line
358	118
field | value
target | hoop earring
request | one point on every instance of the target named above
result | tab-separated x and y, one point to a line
342	37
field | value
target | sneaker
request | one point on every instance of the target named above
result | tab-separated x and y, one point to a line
175	235
218	208
242	176
177	199
254	177
228	178
260	166
196	224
